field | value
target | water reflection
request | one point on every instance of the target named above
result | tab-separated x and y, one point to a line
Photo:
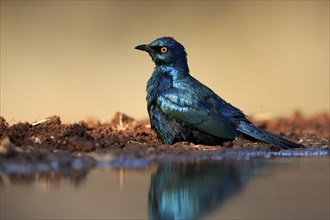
192	190
46	181
295	188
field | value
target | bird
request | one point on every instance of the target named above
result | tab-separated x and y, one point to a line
182	109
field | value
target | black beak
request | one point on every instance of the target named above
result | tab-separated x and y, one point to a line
145	47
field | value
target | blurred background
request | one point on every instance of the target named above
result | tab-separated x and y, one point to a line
76	59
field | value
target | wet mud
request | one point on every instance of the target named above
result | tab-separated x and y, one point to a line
50	145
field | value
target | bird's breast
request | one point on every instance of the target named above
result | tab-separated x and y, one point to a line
157	84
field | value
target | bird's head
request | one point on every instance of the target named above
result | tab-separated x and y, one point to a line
165	50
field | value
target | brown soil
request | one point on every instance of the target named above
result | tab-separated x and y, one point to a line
123	135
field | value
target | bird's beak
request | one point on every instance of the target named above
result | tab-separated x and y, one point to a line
145	47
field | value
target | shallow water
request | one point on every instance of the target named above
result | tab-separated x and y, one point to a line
250	188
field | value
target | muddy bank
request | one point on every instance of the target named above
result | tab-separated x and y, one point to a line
57	145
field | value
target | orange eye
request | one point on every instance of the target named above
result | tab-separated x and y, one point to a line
163	49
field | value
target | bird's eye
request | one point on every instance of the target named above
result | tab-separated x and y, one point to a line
163	49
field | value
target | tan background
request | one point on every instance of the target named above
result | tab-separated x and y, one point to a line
76	59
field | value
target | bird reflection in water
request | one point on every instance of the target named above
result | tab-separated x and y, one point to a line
192	190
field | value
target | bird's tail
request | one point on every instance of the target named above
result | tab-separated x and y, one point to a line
251	130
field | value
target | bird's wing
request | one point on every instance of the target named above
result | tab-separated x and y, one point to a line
197	112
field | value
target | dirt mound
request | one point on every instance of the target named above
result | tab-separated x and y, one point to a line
123	134
51	142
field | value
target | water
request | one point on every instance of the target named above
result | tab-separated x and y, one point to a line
226	188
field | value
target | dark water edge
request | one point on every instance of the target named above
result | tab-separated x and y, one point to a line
64	162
